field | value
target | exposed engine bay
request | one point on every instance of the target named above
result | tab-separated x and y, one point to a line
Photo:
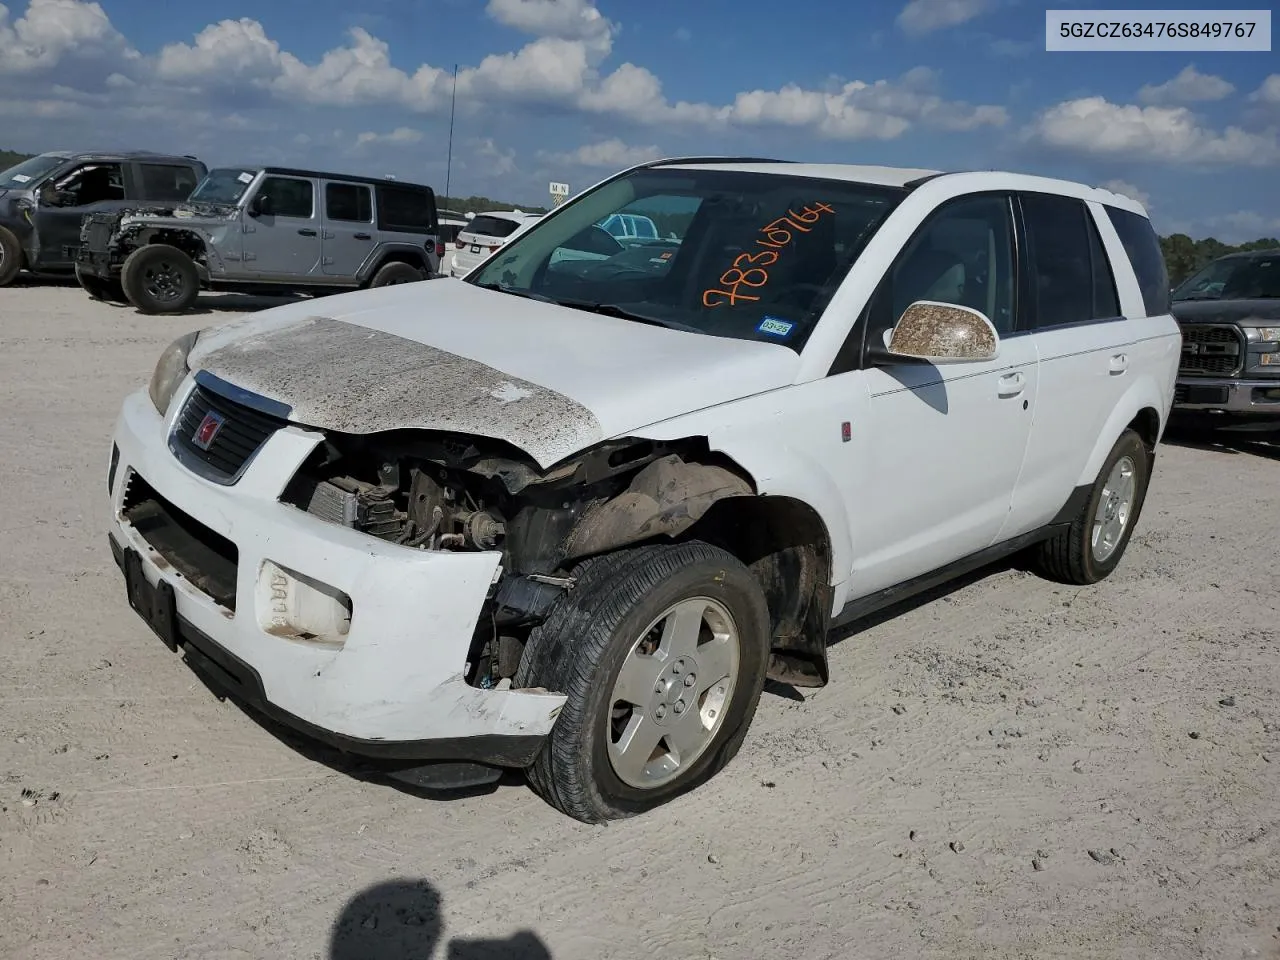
447	492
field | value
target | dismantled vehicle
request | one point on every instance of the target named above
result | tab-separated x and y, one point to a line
1230	316
264	229
567	515
44	198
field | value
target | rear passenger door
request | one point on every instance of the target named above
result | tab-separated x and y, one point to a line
1081	339
348	228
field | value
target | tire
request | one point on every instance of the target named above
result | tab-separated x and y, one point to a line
1070	556
583	645
100	288
159	278
396	272
10	256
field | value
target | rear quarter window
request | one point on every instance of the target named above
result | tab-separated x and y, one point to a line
1142	247
406	210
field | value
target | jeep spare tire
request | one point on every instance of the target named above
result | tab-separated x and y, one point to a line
396	272
10	256
100	288
159	278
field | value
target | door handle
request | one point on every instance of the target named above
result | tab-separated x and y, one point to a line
307	232
1119	363
362	236
1011	384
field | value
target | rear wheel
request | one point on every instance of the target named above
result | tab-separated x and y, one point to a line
100	288
10	256
661	651
159	278
396	272
1091	547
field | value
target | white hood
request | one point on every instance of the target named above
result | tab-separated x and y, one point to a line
447	355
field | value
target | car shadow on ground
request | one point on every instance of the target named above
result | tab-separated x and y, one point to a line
403	920
1196	436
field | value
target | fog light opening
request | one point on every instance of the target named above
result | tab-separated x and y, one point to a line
294	606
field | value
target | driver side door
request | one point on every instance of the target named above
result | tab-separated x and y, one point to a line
944	445
64	202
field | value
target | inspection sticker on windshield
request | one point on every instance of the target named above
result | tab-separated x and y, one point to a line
245	178
21	178
775	327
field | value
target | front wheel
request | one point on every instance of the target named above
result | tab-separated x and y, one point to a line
1091	547
159	278
661	651
10	256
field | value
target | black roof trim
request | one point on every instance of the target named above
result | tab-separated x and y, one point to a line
348	177
672	161
117	155
921	181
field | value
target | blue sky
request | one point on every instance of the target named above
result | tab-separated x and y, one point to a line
573	90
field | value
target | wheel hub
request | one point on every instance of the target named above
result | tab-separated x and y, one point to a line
675	691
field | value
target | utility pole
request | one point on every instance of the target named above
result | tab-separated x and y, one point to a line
448	170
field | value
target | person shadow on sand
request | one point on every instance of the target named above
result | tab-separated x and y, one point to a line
402	920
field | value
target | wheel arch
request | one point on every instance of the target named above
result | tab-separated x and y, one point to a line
401	253
1139	408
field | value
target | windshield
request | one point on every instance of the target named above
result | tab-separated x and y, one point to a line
223	185
22	175
1235	278
751	256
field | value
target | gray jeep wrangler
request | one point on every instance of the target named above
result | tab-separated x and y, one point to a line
266	229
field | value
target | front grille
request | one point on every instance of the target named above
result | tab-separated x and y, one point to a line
1194	393
242	433
1211	350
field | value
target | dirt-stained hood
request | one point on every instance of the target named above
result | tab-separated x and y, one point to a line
446	355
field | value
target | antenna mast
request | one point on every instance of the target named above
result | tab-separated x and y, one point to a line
448	170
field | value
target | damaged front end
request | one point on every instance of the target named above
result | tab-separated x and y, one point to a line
450	492
107	239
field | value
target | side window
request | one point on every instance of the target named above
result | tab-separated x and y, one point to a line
91	183
406	211
1071	279
289	197
166	181
1143	249
348	201
963	255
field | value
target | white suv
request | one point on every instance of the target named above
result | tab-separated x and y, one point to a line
484	234
567	515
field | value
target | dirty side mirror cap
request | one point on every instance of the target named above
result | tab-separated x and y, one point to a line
943	333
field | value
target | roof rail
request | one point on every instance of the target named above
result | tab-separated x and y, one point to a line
694	160
920	181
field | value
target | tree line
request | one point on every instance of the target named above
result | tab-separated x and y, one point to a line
1182	255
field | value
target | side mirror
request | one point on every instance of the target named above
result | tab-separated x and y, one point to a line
943	333
261	206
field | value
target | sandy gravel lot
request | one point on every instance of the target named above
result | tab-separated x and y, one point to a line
941	798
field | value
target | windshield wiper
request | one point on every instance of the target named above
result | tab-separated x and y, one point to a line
622	313
527	294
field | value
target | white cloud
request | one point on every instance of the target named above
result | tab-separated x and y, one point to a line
925	16
613	154
1189	86
400	136
561	19
1241	226
232	49
1097	127
495	161
1128	190
53	29
1269	92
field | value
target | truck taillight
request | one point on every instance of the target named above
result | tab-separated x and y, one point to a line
439	248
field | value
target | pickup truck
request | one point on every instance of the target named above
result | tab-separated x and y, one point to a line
44	198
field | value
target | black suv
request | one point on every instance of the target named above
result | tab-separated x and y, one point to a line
43	199
1230	317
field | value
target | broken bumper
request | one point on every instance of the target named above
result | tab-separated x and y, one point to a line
94	262
392	687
